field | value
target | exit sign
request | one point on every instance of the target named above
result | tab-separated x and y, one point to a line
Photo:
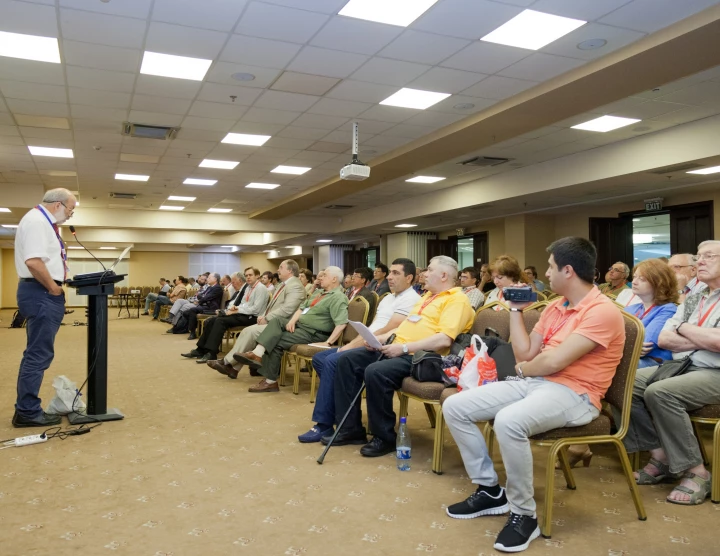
653	204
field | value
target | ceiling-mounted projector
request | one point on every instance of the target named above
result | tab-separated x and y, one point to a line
356	170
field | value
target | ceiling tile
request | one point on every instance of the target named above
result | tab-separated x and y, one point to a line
295	132
46	133
322	61
129	8
275	22
373	126
382	141
214	124
36	108
160	104
318	121
446	80
388	113
685	115
270	116
361	91
102	99
334	107
485	57
167	86
102	29
259	52
94	113
541	67
222	72
217	110
304	83
9	130
435	119
647	110
101	57
40	121
155	118
322	6
409	131
498	88
33	72
355	35
695	94
30	91
286	143
139	158
345	136
389	72
327	147
468	20
184	41
651	15
28	19
220	15
214	92
285	101
415	46
587	10
616	38
98	79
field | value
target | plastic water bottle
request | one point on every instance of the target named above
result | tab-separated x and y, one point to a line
403	446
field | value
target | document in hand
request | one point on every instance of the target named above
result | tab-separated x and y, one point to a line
364	331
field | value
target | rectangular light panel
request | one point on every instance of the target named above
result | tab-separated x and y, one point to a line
295	170
3	209
108	248
246	139
221	164
604	124
219	210
533	30
193	181
10	225
29	47
406	225
425	179
702	172
392	12
414	98
170	207
255	185
47	151
179	67
131	177
176	198
323	241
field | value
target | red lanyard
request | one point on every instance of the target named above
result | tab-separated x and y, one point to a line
428	302
554	328
702	318
640	310
354	293
247	296
500	294
318	299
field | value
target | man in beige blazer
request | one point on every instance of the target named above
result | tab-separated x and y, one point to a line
285	300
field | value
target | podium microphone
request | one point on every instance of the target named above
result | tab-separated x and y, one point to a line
72	231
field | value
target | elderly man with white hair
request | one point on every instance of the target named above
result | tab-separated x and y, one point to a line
319	319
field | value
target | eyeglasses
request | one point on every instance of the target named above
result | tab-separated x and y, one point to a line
72	211
613	269
709	257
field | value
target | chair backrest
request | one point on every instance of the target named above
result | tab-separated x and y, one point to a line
488	317
145	291
358	311
156	289
541	296
531	314
373	306
117	290
619	395
123	290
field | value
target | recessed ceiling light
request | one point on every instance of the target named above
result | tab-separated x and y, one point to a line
29	47
464	106
246	139
10	225
296	170
605	123
533	30
255	185
222	164
219	210
292	247
406	225
179	67
323	241
703	171
46	151
392	12
193	181
425	179
176	198
414	98
170	207
242	76
131	177
108	248
2	209
591	44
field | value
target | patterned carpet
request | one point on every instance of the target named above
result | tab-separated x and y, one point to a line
200	466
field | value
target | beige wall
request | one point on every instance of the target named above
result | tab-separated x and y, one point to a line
257	260
397	247
9	279
145	267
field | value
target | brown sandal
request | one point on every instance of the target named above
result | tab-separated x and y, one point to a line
696	496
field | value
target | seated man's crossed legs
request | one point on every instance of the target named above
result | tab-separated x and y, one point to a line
148	300
231	364
208	346
159	302
521	409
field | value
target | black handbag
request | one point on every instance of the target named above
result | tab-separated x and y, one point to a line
671	368
427	367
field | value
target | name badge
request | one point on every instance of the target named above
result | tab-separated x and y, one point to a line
415	318
305	310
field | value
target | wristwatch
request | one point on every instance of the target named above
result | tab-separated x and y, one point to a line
518	371
405	349
515	310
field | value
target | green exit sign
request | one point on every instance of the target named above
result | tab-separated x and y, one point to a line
653	204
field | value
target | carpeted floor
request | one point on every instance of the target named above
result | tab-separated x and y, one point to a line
200	466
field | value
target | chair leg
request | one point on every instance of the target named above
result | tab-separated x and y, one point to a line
490	441
634	491
701	444
283	369
546	524
430	410
566	469
296	380
715	494
403	410
313	381
438	442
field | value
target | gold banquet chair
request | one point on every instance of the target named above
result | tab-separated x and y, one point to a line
709	415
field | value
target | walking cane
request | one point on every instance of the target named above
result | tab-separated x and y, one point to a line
320	460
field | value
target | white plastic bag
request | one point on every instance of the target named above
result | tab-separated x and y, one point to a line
65	393
478	367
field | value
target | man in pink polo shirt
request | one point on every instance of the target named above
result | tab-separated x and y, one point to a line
565	366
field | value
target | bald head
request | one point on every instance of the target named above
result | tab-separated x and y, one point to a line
684	268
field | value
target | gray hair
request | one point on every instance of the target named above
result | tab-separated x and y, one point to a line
238	276
217	276
626	268
59	195
292	266
689	257
335	272
449	263
709	241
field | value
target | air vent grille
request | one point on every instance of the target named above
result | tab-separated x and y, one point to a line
339	207
123	195
484	161
149	131
676	168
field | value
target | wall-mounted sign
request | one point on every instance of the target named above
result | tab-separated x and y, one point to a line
654	204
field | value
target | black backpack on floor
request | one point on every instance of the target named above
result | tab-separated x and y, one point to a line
18	321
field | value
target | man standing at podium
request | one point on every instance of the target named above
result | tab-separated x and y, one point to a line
41	264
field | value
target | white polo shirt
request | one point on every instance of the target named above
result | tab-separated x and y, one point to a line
35	239
401	304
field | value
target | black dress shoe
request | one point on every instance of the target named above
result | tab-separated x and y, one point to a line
377	447
45	420
192	336
194	354
345	438
205	358
169	330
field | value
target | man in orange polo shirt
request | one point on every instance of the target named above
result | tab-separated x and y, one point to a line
564	368
432	325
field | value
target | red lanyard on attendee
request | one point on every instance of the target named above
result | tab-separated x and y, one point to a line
704	317
318	299
247	296
554	328
354	293
640	310
428	302
63	254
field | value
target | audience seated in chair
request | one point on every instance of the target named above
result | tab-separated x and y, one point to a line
469	283
380	284
266	280
391	311
319	319
659	422
432	325
617	277
531	273
208	300
152	296
505	272
288	296
359	281
306	279
419	284
564	368
178	292
685	268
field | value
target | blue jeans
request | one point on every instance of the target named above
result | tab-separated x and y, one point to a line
159	302
149	299
325	364
44	313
